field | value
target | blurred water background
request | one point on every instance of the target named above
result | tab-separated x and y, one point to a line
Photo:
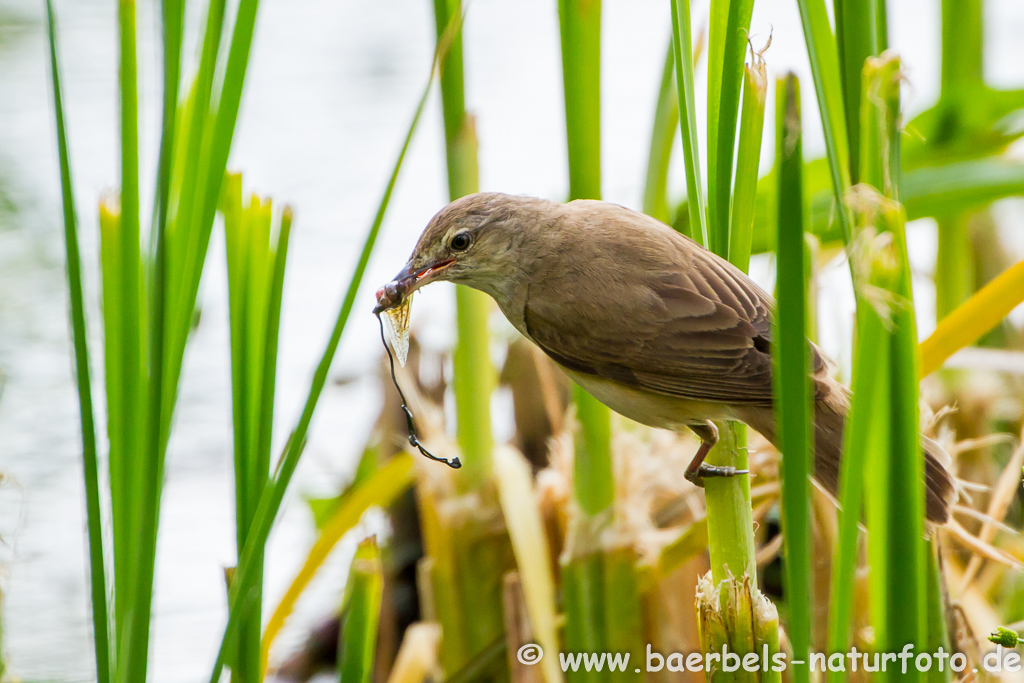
330	89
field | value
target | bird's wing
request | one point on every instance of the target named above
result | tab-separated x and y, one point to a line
659	314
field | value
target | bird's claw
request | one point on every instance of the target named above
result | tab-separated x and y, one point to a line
704	471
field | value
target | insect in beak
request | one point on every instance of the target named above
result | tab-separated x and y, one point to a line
407	281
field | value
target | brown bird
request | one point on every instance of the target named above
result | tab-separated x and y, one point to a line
649	322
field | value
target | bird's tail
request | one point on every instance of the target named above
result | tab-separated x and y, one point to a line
830	418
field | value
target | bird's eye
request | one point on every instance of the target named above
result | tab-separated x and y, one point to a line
461	241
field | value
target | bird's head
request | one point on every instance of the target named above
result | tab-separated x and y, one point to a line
474	241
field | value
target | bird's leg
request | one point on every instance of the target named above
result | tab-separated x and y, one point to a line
697	470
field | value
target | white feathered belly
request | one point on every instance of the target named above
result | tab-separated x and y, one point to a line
653	410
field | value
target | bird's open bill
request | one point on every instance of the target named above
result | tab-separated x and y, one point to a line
395	300
395	293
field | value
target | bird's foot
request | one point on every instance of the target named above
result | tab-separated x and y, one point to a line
697	476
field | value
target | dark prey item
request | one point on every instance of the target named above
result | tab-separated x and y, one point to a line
414	440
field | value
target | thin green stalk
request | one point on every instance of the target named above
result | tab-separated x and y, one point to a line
273	493
895	501
101	617
472	384
938	631
755	88
857	40
273	324
824	58
954	266
727	41
880	160
730	518
173	28
962	69
882	25
593	480
962	46
360	615
474	375
155	438
133	601
688	120
663	133
580	24
120	412
906	598
129	78
863	434
794	406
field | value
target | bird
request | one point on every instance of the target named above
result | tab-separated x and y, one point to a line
648	321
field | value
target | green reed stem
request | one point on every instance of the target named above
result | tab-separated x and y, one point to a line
863	433
101	616
727	41
794	405
474	375
824	57
580	25
755	89
663	133
173	29
360	615
856	39
681	43
730	518
963	45
133	562
962	68
895	500
938	627
954	266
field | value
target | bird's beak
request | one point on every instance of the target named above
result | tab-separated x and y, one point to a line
407	281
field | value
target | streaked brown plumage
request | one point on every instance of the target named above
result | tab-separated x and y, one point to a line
653	325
